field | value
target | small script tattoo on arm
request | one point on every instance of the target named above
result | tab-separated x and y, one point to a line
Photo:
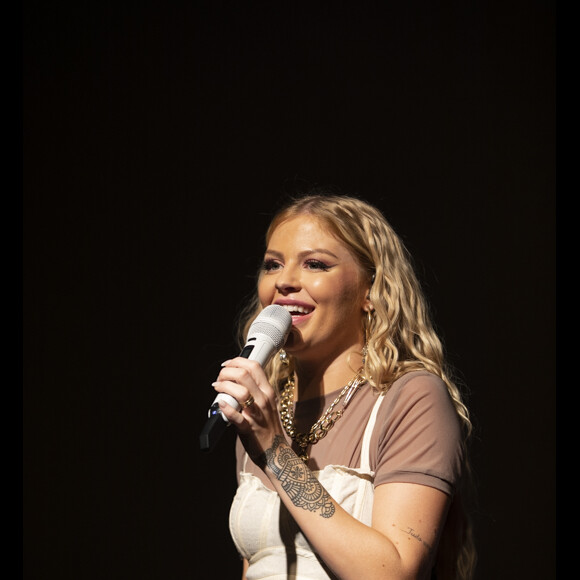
303	489
415	534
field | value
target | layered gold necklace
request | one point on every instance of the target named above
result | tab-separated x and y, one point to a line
326	421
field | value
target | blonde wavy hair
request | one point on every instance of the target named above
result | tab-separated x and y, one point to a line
400	336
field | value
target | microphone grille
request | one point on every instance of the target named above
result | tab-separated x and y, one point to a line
275	322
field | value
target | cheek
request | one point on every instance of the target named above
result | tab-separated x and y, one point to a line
354	295
345	293
266	291
320	288
351	303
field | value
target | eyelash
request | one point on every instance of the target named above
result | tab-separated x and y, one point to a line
270	265
318	264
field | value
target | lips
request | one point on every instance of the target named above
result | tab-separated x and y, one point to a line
295	309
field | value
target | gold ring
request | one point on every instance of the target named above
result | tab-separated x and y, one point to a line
248	402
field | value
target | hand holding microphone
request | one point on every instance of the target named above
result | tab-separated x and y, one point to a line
266	335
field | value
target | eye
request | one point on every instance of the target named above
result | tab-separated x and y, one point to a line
271	265
317	265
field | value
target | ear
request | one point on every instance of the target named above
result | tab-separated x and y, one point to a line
368	305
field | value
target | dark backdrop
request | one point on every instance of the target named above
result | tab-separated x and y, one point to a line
158	139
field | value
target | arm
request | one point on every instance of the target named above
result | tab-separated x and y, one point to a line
407	519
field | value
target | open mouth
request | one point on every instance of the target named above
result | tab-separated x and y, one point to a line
296	310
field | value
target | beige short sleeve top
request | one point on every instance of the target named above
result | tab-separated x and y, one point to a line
416	436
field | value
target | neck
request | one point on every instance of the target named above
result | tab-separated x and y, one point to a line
317	379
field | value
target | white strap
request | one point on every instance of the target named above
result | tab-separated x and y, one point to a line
365	459
364	454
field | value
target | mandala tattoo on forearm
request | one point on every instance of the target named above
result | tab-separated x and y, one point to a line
303	489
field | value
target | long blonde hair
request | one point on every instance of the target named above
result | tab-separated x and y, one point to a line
400	336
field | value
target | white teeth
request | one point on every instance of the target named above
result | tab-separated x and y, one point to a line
292	308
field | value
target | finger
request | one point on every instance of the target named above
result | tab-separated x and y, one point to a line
247	403
241	395
242	376
229	400
239	382
252	367
238	404
230	413
247	373
242	416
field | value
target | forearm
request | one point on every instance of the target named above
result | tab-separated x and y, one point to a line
349	547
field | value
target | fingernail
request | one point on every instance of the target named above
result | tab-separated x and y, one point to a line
225	363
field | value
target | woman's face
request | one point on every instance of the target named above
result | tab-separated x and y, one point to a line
316	277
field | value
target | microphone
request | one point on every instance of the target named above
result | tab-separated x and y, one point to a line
267	335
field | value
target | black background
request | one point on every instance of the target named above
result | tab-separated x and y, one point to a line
159	138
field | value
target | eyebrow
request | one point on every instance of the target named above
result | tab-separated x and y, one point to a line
304	253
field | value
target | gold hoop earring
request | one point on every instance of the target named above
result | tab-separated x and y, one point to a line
370	312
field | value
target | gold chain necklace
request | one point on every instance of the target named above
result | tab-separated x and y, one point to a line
326	421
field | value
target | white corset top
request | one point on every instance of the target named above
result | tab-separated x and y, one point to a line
267	536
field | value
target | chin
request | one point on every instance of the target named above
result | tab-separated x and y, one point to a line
294	343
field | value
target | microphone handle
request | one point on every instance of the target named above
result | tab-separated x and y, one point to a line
212	431
216	424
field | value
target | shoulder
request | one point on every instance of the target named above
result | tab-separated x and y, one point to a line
418	381
419	402
419	387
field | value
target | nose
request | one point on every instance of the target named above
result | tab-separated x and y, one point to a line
288	280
